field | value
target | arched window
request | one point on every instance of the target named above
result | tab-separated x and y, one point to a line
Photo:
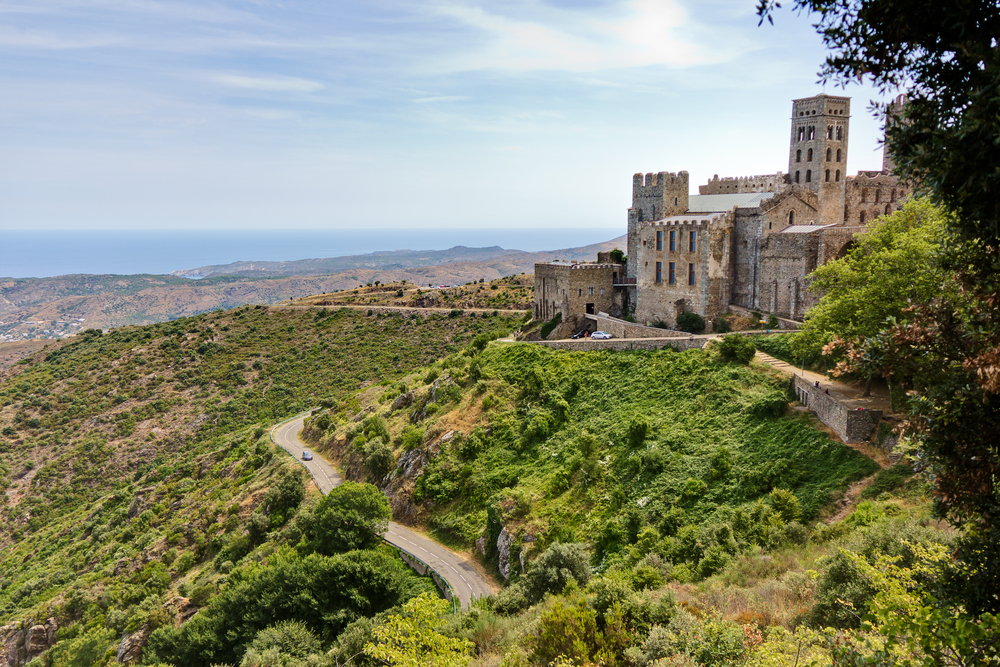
838	155
809	175
798	155
829	132
827	175
862	217
812	132
675	201
840	133
838	176
796	179
888	209
791	217
809	155
802	133
878	196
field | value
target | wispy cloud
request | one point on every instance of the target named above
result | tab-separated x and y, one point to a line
269	83
441	98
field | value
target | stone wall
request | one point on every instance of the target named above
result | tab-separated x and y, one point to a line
625	329
575	289
739	184
871	194
786	259
657	298
624	345
851	424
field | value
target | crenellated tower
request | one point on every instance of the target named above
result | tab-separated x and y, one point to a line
654	198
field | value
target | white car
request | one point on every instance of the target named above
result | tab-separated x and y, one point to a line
601	335
307	455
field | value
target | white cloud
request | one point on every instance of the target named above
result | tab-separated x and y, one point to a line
635	33
269	83
441	98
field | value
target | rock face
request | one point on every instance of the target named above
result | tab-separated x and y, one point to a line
398	484
402	401
504	543
21	642
130	650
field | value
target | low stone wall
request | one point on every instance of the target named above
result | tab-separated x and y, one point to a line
791	325
625	344
625	329
850	424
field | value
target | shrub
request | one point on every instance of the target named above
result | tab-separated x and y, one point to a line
735	348
548	327
455	312
722	326
352	516
691	323
378	458
659	324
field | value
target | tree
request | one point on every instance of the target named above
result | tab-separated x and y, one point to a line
352	516
411	638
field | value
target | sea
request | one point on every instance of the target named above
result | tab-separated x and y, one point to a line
48	253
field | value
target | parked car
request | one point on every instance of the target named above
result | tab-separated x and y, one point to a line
582	333
601	335
307	455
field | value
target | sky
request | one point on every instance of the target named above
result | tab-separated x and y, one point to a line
183	114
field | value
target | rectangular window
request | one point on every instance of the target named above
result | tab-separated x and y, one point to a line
690	274
659	240
693	237
673	240
670	275
591	291
659	270
580	292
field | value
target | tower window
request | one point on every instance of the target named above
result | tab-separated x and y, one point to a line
838	155
659	272
829	133
659	240
690	274
802	133
812	132
827	175
798	155
691	244
840	134
670	273
673	240
829	154
864	196
837	176
791	217
809	155
809	175
796	177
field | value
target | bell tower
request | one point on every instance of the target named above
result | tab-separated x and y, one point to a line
817	153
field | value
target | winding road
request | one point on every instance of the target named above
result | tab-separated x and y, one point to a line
460	574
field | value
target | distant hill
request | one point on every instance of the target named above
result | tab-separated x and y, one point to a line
33	308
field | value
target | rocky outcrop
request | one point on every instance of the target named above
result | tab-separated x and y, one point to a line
404	400
504	542
398	484
130	649
22	642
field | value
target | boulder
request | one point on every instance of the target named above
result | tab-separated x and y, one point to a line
130	649
504	543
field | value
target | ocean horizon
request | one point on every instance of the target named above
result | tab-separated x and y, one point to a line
50	253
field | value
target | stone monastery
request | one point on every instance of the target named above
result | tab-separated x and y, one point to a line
749	241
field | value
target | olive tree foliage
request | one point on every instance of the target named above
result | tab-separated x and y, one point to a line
352	516
411	638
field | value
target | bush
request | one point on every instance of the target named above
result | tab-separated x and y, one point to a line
455	312
691	323
378	458
735	348
550	325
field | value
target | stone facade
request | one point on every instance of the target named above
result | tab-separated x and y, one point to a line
577	289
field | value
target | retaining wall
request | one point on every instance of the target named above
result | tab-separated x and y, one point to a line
422	568
851	424
790	325
625	329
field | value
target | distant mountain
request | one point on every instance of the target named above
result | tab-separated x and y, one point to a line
33	308
390	259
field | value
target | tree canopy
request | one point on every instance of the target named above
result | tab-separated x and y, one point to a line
352	516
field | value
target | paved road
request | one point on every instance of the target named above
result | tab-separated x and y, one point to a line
464	579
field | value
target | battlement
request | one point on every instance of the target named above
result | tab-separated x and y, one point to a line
579	265
659	194
690	220
740	184
658	183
